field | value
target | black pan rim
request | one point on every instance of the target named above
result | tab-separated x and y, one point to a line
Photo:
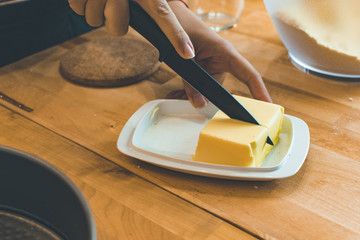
42	163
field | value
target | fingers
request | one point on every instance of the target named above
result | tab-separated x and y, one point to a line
78	6
195	98
94	12
115	14
117	17
161	12
244	71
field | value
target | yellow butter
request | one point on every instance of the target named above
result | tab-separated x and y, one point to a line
231	142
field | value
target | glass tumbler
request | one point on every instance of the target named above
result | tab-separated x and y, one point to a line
219	15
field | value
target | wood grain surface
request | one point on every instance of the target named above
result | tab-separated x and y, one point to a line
124	205
76	129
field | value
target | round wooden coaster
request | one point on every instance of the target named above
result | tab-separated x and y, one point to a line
110	62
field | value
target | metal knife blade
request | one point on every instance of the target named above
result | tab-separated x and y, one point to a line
188	69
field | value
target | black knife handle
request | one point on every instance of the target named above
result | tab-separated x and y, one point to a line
147	27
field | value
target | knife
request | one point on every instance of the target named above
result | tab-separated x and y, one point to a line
188	69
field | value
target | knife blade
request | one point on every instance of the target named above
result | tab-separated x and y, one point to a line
188	69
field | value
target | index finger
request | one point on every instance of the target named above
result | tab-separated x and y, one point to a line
244	71
165	18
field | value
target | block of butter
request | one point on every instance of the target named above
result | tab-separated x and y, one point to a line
232	142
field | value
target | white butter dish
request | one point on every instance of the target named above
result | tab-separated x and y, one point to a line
165	133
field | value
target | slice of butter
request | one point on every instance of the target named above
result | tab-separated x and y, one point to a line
232	142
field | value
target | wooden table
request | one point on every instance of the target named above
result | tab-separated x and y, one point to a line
76	128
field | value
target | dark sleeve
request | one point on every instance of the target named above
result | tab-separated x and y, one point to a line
34	25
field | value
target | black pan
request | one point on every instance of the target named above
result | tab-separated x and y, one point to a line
38	202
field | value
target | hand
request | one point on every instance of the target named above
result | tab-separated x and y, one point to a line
216	56
115	14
